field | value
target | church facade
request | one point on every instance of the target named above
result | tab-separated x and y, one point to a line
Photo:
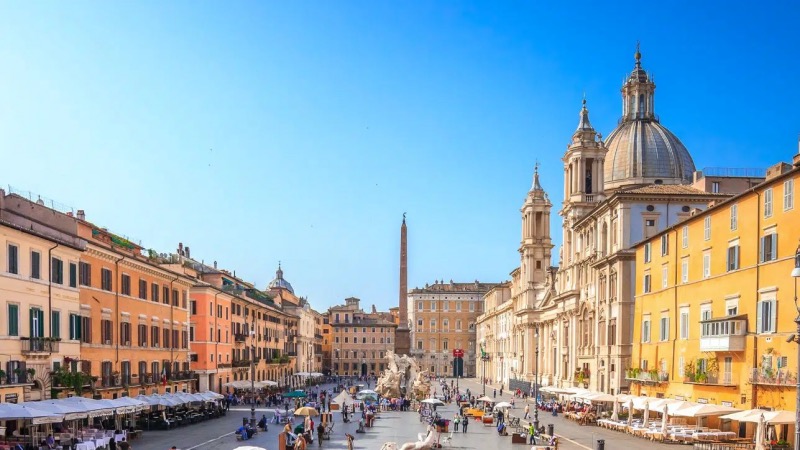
577	318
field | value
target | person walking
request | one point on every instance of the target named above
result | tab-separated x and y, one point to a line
350	439
494	393
464	424
320	433
527	411
532	433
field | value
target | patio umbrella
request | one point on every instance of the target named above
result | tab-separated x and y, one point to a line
630	412
265	383
646	414
306	411
707	409
343	399
664	423
615	412
13	411
94	408
486	399
295	394
302	374
70	412
599	397
433	401
760	433
502	405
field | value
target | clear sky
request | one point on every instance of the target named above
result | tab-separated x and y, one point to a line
259	131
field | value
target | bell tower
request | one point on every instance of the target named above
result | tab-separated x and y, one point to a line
535	245
583	165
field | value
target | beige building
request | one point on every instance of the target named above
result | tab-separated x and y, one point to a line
442	317
39	295
360	339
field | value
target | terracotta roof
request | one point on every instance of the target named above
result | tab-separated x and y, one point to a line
667	189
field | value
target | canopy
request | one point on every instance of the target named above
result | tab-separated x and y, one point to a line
598	397
343	399
265	383
700	409
554	390
502	405
94	408
485	399
70	411
754	415
316	374
241	384
13	411
295	394
209	395
302	374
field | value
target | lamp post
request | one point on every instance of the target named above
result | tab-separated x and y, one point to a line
536	379
795	275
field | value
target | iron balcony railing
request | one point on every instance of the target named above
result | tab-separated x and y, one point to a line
780	377
40	345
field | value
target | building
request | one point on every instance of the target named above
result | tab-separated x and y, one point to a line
493	335
360	339
442	317
39	295
318	340
617	192
327	345
134	329
715	302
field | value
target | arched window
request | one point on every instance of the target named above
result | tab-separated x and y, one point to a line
641	105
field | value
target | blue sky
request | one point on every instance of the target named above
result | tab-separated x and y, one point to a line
255	132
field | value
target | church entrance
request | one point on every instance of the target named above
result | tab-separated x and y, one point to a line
363	369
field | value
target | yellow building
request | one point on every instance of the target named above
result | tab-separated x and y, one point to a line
715	301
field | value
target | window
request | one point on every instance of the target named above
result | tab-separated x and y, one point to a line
55	324
684	323
433	305
733	257
768	203
664	329
73	275
788	195
56	271
36	323
36	265
85	274
445	345
646	288
154	292
175	297
458	304
13	320
706	265
125	284
707	228
769	247
106	331
681	365
715	187
650	223
74	327
471	307
419	306
685	236
105	279
154	336
125	333
705	312
143	289
647	252
165	300
86	330
766	313
664	276
734	217
664	245
142	332
685	270
646	330
13	259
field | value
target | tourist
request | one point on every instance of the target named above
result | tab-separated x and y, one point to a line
320	433
532	433
464	424
123	445
527	411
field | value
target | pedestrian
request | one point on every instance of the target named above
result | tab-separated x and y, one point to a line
532	433
527	411
464	424
320	433
494	393
501	390
350	439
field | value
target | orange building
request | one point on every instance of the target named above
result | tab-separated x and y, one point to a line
134	318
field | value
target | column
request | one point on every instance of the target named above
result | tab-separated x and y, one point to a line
566	182
600	176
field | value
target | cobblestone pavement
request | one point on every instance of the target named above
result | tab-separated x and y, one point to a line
399	427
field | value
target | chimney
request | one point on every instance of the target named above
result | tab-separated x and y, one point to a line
81	214
215	264
69	213
180	248
188	255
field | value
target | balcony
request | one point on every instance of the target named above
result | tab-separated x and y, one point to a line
725	379
239	337
241	363
649	377
39	345
108	381
726	334
781	377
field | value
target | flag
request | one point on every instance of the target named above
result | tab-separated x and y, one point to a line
164	375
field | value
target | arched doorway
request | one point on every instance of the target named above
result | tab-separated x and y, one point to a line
363	369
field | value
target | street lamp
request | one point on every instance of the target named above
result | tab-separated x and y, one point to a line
795	275
536	380
253	379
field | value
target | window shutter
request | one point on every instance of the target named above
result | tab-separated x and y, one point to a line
761	249
71	326
759	316
30	320
40	313
774	242
773	316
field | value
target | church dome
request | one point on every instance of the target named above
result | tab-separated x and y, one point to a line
279	282
640	149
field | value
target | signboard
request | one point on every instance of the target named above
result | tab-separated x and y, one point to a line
458	352
11	398
728	404
702	400
680	397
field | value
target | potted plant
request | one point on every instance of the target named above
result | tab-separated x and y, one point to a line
2	376
32	372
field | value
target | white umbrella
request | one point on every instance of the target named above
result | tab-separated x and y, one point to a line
433	401
646	414
760	433
630	412
502	405
343	399
94	408
615	413
707	409
70	411
316	374
265	383
485	399
302	374
599	397
13	411
664	424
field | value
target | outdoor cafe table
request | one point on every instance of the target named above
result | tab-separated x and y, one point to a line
88	445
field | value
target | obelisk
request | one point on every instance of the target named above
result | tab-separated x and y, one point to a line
402	338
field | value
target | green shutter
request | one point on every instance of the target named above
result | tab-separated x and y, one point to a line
55	324
78	327
41	322
13	320
72	326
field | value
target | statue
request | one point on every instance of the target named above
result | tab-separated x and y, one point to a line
399	376
425	443
421	386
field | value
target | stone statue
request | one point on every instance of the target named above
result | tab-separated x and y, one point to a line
421	386
399	377
424	443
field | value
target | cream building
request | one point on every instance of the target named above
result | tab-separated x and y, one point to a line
39	295
442	317
617	192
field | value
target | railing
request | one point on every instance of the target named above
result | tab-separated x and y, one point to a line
241	363
224	365
647	377
108	381
737	172
16	378
39	345
723	446
726	379
770	378
239	337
